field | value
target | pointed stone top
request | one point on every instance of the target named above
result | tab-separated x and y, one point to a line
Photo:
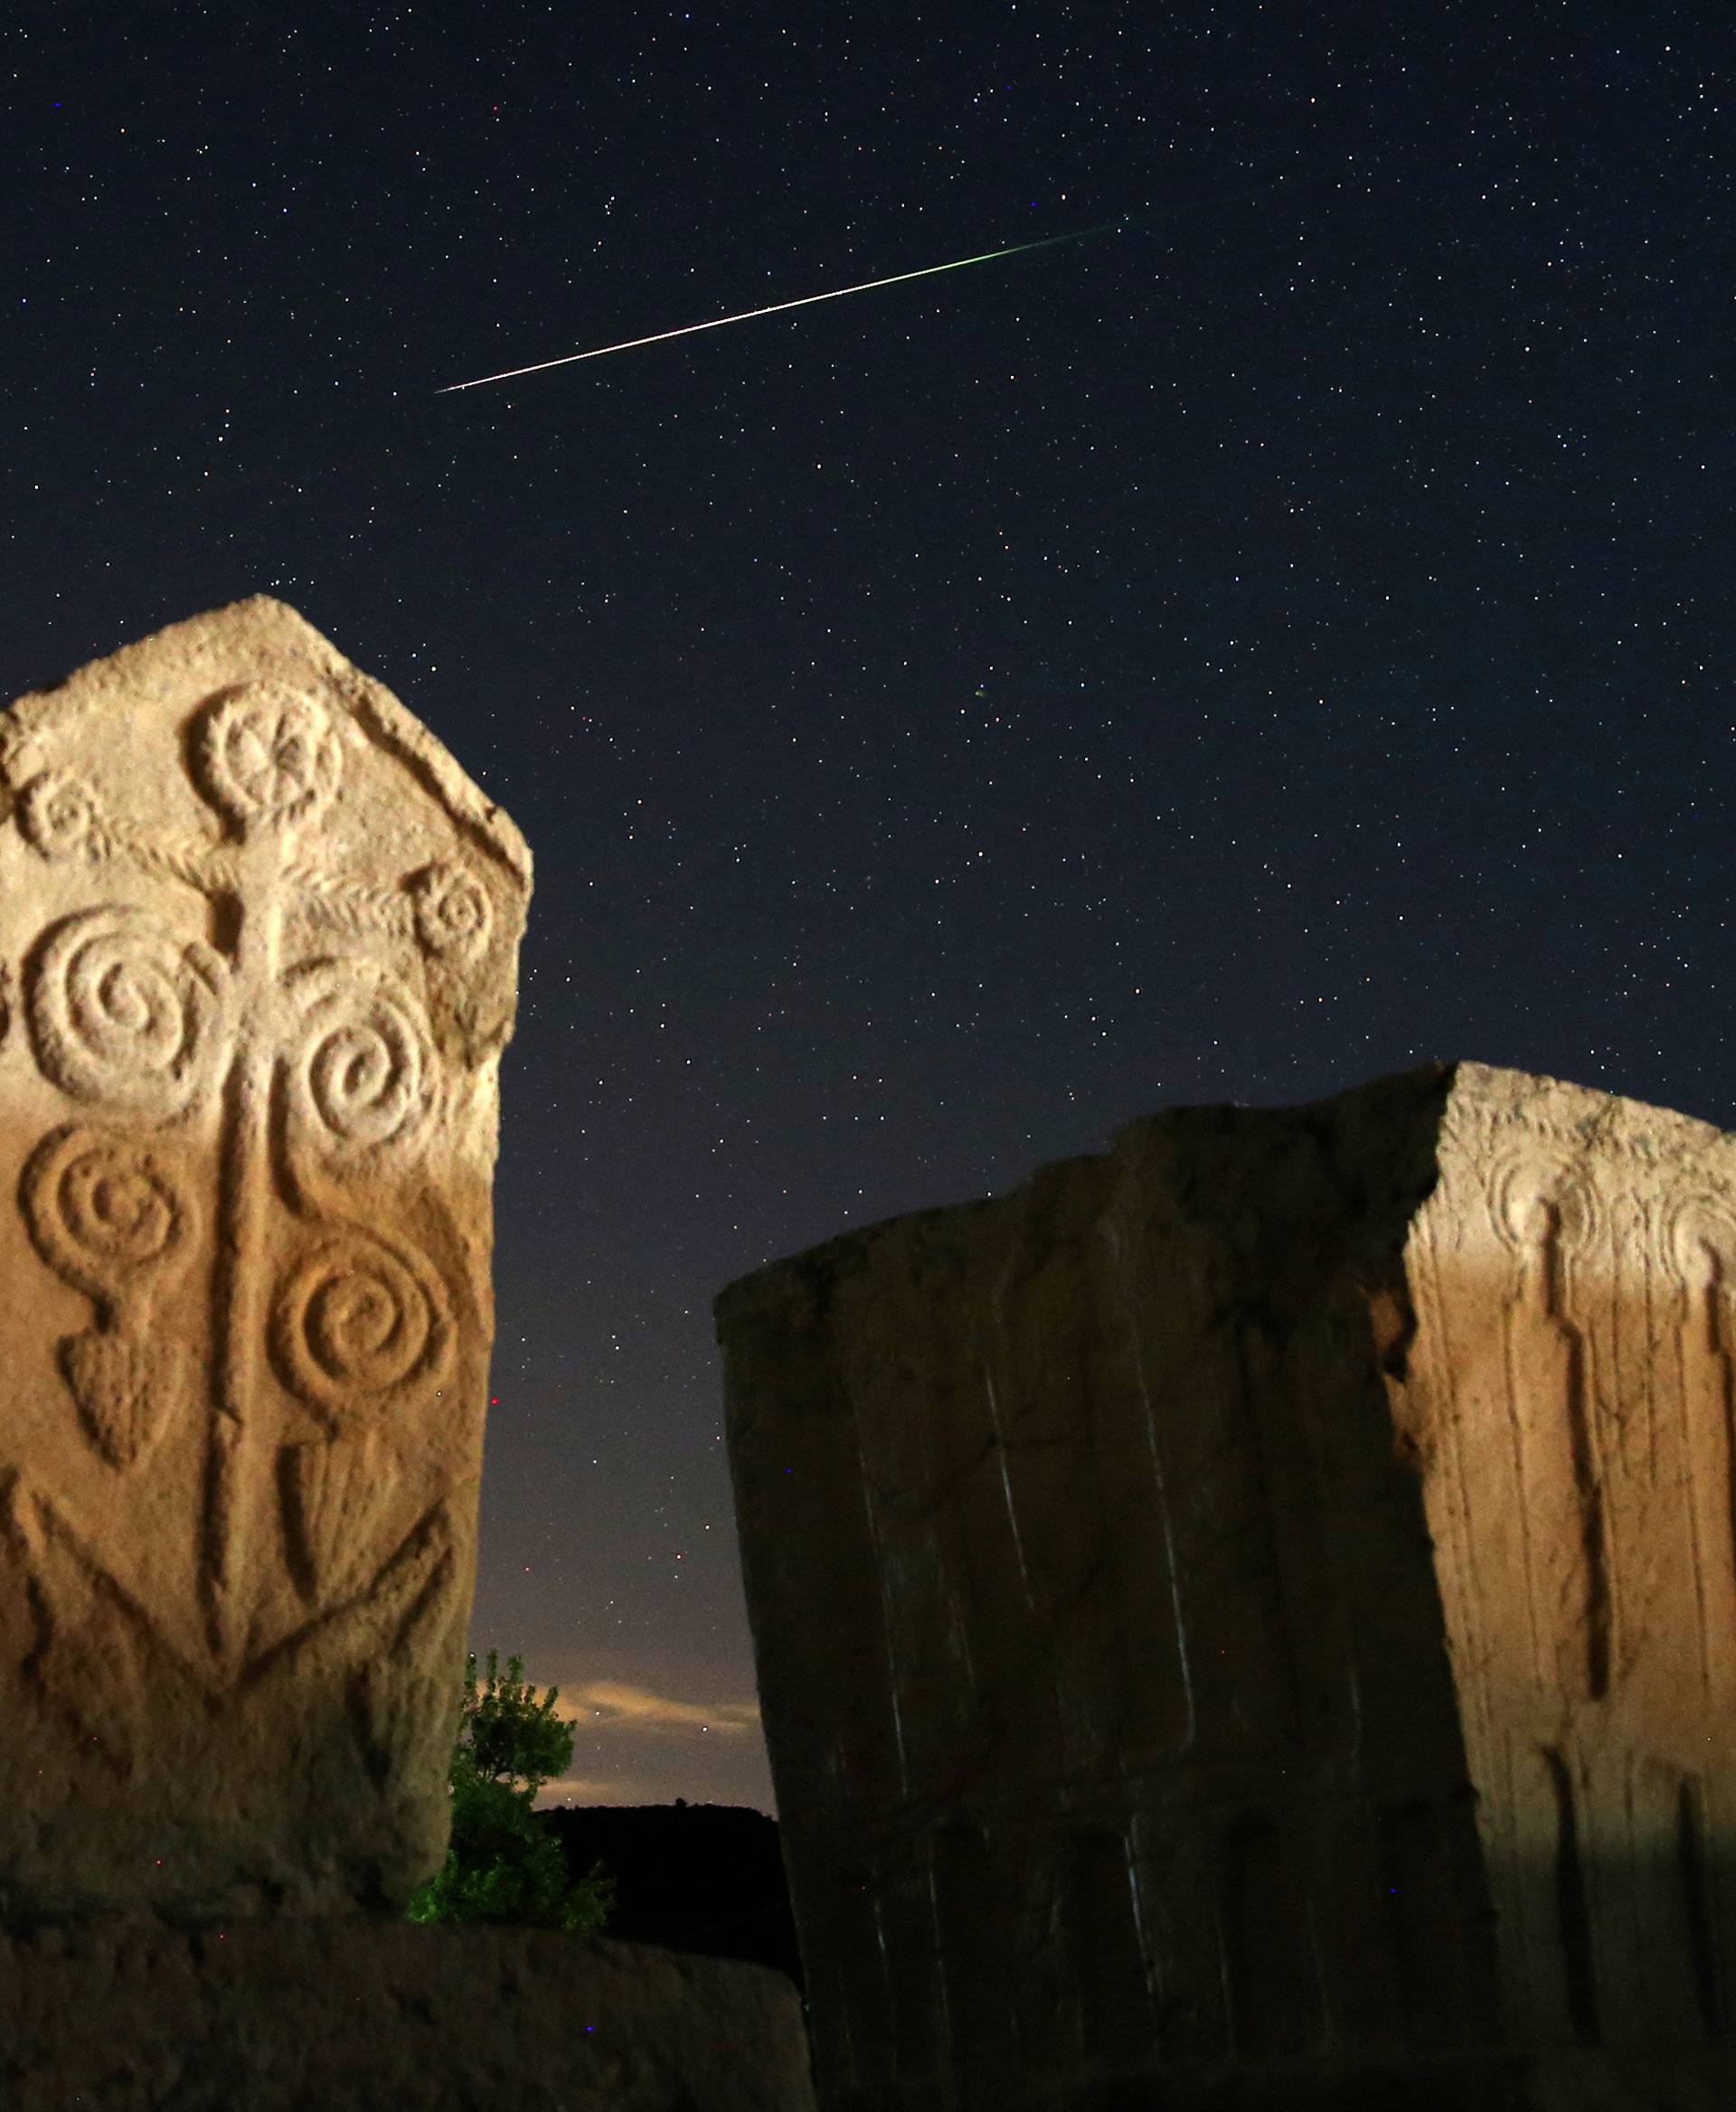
258	639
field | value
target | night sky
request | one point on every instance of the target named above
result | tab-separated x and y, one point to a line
1225	658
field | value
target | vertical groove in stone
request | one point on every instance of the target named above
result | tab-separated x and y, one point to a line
977	1954
1698	1909
1427	1936
1165	1720
1723	1373
1593	1525
1573	1907
1707	1402
1106	1952
1269	1968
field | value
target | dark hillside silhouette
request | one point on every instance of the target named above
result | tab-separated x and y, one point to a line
692	1877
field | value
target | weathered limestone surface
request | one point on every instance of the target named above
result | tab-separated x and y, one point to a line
1252	1618
324	2015
258	933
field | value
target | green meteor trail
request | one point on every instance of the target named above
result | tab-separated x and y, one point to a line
778	308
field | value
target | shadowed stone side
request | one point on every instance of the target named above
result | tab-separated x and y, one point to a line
130	2015
259	936
1251	1616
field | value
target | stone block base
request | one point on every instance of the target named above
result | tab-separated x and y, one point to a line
130	2015
1567	2079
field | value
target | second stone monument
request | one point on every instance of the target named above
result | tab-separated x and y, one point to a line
1248	1620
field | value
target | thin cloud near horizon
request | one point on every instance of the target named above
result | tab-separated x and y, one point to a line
617	1704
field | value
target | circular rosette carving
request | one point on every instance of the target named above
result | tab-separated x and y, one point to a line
453	912
125	1011
269	753
108	1214
59	815
359	1326
360	1070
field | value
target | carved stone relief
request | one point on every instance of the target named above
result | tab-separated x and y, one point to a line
1277	1580
265	936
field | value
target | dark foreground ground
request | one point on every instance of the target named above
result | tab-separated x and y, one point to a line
692	1877
125	2014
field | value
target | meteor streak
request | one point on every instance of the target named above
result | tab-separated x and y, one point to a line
805	300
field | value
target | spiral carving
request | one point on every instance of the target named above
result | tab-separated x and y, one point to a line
453	912
359	1072
60	816
359	1326
268	752
116	1220
107	1213
125	1011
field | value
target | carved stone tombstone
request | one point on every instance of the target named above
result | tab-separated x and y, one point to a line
1250	1619
260	936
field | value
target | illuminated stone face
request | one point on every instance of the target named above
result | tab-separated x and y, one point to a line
260	936
1261	1603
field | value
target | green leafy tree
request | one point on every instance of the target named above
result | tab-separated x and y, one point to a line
504	1864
